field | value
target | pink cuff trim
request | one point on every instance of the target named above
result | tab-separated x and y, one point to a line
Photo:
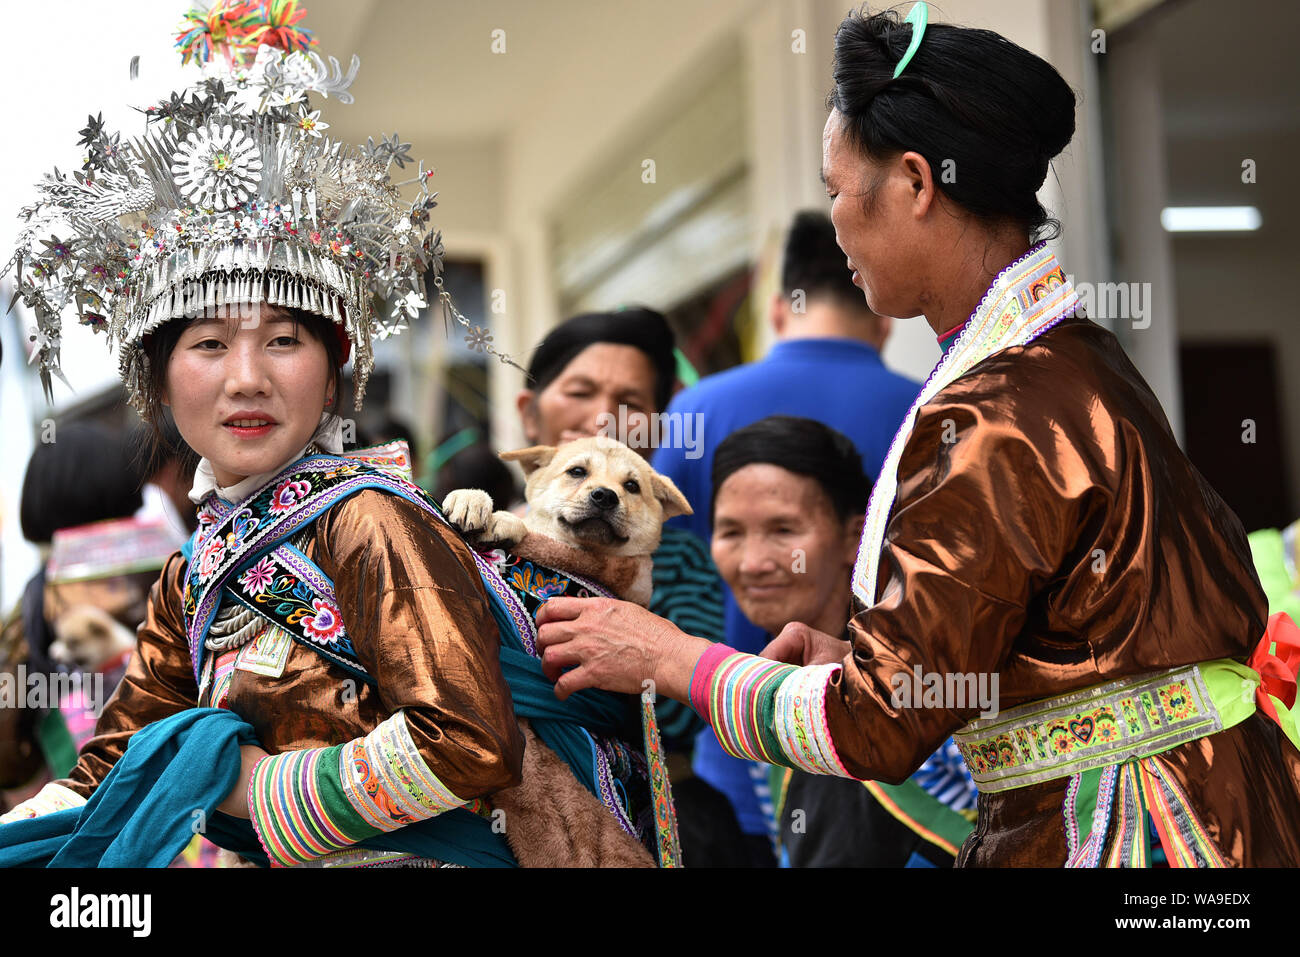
702	676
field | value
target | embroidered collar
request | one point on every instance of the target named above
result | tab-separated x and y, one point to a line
1026	299
231	538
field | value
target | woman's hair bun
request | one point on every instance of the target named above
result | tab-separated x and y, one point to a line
971	97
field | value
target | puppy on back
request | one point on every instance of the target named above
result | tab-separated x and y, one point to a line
595	508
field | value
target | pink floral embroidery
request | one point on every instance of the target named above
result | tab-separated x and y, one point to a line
258	578
210	558
288	494
325	624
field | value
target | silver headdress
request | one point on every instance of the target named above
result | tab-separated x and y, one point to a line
232	195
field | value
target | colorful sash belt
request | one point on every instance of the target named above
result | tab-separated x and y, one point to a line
1108	740
1120	721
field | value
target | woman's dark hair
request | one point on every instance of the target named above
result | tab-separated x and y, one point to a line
639	327
996	112
804	447
165	441
86	474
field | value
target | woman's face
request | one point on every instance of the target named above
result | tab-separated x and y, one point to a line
247	392
883	243
780	547
599	379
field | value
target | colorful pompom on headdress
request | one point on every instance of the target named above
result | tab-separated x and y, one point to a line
233	195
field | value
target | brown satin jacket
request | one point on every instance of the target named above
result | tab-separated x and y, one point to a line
1061	540
416	612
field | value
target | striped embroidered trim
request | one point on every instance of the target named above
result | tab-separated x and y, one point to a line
772	712
387	782
222	673
1129	847
800	721
702	676
740	706
1084	847
1182	835
289	811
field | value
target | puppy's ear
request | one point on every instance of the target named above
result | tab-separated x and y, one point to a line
530	459
673	501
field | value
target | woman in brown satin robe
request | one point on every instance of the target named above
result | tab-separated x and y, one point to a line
436	725
1035	523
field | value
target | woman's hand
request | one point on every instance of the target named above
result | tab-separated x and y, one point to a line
616	646
800	645
236	802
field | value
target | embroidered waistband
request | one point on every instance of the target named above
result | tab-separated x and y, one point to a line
1123	720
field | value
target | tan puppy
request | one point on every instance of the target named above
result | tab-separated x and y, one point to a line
88	638
595	496
595	508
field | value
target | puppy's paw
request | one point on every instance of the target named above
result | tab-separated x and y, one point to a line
468	510
504	529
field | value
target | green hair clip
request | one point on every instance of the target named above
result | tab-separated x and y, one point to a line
918	17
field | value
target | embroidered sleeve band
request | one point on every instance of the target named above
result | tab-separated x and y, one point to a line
772	712
53	797
800	718
702	676
386	781
297	806
306	804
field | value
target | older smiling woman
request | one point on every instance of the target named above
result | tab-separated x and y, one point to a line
788	495
1035	519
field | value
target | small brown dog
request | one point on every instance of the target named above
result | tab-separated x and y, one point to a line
595	509
88	638
595	496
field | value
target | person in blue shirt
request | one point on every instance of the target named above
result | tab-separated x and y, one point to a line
825	366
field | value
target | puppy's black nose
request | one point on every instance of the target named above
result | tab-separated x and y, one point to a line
604	498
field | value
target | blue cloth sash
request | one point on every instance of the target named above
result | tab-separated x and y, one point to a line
146	810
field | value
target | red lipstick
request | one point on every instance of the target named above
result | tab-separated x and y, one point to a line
250	425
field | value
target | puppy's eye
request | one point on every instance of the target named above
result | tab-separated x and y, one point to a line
632	486
578	472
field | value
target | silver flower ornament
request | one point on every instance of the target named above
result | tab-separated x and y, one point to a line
217	167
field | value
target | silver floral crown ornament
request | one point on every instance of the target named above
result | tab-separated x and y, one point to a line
232	195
